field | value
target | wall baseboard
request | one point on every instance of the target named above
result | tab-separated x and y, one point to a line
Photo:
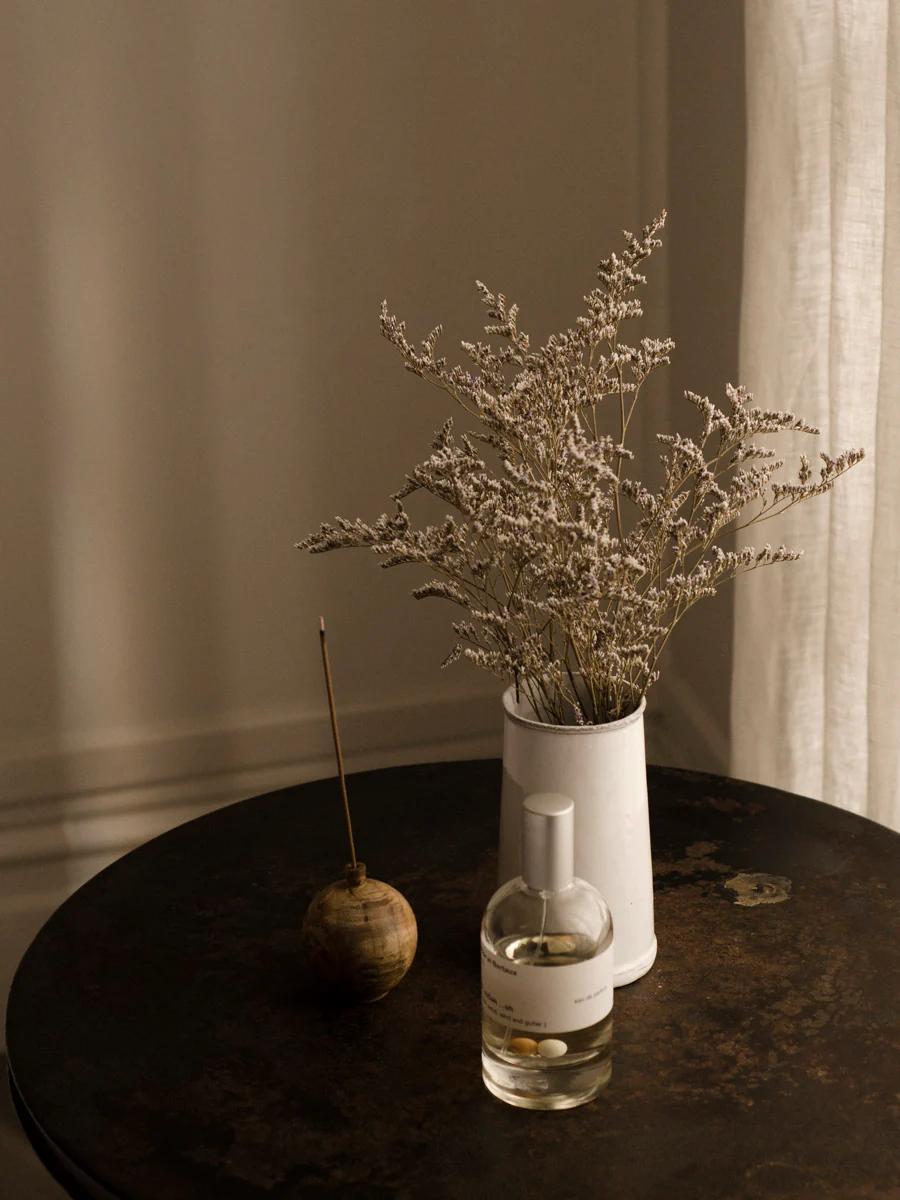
96	799
61	806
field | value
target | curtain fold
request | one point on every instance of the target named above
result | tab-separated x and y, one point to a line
814	693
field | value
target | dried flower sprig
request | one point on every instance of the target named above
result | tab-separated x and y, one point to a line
566	588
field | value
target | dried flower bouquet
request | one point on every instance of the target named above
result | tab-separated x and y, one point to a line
570	573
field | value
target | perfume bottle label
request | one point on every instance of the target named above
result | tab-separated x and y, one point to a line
547	999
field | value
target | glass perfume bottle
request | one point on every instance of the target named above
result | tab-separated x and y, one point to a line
546	972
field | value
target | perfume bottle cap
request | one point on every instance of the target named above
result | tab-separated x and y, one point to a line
548	841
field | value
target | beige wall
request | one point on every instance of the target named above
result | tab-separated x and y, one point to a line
203	206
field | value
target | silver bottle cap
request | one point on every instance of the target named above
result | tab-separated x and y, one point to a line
548	841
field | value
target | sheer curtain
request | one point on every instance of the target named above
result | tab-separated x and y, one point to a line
815	700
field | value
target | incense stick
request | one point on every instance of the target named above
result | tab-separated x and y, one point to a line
337	739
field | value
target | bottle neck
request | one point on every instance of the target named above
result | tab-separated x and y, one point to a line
544	893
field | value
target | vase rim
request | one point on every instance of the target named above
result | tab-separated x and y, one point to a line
509	706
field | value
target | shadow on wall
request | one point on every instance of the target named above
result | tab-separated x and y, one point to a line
30	687
707	137
114	609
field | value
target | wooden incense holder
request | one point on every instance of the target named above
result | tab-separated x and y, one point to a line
359	936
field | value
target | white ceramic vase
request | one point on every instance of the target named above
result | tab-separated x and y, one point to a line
603	769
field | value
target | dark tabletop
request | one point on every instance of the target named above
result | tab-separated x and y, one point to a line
163	1045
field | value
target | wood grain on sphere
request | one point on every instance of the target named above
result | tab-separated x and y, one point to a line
359	936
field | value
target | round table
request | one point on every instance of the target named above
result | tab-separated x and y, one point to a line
164	1045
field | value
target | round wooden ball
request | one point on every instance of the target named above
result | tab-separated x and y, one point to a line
359	936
